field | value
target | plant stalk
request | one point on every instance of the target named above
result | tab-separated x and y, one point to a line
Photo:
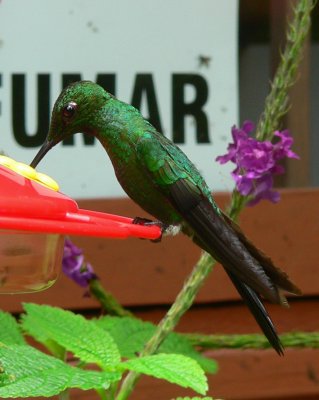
107	301
253	341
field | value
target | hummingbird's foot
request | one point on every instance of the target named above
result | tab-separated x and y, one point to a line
148	222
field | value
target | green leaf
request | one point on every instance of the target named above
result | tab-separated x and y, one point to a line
27	372
178	344
42	337
131	334
83	338
10	330
174	368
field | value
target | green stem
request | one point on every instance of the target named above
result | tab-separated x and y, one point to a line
102	394
237	203
65	395
107	301
253	341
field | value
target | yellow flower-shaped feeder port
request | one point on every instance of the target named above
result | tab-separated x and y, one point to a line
29	172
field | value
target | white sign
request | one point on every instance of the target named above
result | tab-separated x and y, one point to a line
176	60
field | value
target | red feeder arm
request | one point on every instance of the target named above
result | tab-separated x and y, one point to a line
30	206
33	219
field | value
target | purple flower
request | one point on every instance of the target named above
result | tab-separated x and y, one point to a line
74	266
257	162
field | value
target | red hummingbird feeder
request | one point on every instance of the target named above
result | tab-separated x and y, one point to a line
35	216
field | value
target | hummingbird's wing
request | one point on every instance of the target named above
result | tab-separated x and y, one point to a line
178	179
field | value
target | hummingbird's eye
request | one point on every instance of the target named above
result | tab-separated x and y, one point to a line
69	110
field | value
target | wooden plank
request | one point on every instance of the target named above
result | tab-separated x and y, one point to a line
138	272
234	317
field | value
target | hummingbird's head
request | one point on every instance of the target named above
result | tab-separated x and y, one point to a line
74	111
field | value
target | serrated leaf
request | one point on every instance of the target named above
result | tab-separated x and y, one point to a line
178	344
82	337
42	337
9	330
174	368
27	372
131	334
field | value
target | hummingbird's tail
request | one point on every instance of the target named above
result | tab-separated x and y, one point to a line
251	271
259	312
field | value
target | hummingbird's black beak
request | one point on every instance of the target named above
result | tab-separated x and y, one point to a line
47	145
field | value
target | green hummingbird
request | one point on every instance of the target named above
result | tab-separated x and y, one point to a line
160	178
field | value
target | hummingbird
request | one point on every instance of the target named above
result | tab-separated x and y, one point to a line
160	178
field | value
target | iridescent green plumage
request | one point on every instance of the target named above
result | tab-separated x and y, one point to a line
159	177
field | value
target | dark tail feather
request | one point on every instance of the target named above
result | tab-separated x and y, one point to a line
279	277
259	311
